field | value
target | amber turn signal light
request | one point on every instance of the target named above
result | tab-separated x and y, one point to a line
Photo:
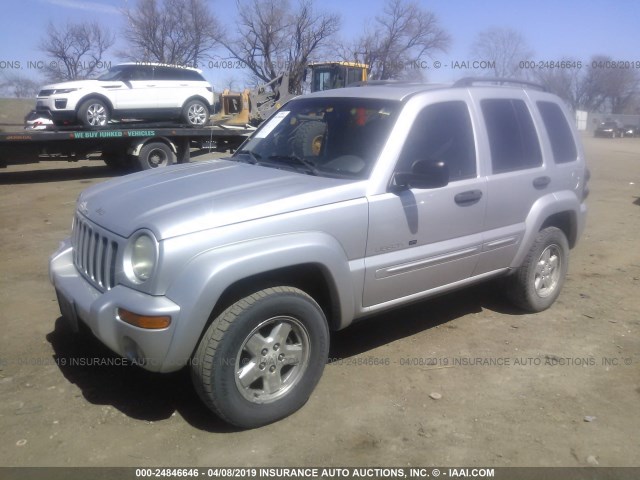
144	321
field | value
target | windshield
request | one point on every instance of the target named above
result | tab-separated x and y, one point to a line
114	73
333	137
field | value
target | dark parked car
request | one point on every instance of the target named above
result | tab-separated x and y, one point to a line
609	129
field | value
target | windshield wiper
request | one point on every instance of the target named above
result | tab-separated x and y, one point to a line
252	157
310	166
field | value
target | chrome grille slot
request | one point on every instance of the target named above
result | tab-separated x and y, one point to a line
94	254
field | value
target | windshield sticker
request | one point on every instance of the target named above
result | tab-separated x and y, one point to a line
273	123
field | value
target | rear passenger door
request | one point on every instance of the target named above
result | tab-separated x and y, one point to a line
175	85
422	239
517	175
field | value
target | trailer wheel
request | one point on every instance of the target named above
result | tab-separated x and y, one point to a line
195	113
93	113
154	155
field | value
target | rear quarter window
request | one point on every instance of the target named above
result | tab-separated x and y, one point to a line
555	123
512	135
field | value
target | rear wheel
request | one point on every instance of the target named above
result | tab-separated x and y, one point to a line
261	358
536	284
154	155
93	113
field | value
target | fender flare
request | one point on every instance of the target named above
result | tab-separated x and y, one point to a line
208	275
542	209
136	146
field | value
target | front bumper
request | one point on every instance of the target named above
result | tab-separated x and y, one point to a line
79	301
59	109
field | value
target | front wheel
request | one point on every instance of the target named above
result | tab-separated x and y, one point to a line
93	113
261	358
195	113
536	284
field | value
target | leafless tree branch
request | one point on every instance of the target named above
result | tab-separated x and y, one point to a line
273	38
181	32
505	47
77	50
403	34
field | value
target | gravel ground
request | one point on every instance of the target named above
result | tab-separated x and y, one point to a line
462	380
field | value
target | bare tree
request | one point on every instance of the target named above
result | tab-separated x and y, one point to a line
18	86
594	87
567	83
76	50
505	47
402	35
273	38
181	32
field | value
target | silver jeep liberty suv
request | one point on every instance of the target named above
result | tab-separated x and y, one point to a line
343	204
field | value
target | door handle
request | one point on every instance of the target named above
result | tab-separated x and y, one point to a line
541	182
465	199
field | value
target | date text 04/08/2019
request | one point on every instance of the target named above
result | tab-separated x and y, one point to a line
272	472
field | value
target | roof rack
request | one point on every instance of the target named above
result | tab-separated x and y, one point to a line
469	81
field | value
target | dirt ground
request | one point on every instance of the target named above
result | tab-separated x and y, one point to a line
559	388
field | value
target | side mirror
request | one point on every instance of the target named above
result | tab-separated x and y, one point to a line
423	175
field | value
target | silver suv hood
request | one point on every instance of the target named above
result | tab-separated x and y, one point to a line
184	199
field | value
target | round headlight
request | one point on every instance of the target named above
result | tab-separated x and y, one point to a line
143	257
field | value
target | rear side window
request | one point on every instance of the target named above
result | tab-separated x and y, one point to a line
192	75
163	73
559	132
442	132
512	135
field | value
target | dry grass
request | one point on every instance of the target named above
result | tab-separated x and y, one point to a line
13	111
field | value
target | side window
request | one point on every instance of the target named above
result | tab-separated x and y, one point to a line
164	73
559	132
442	132
512	135
139	73
353	75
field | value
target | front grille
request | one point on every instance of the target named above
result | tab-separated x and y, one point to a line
45	93
94	254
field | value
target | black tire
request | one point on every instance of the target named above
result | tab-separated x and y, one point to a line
308	139
155	155
536	284
195	113
93	113
277	380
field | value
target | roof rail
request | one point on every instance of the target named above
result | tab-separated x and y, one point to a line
469	81
371	83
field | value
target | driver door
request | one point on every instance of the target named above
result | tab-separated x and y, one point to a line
422	239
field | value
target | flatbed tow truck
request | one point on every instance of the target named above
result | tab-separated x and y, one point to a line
126	145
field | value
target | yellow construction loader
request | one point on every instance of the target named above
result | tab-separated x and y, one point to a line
252	106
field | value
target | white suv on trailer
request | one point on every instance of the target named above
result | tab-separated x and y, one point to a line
145	91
